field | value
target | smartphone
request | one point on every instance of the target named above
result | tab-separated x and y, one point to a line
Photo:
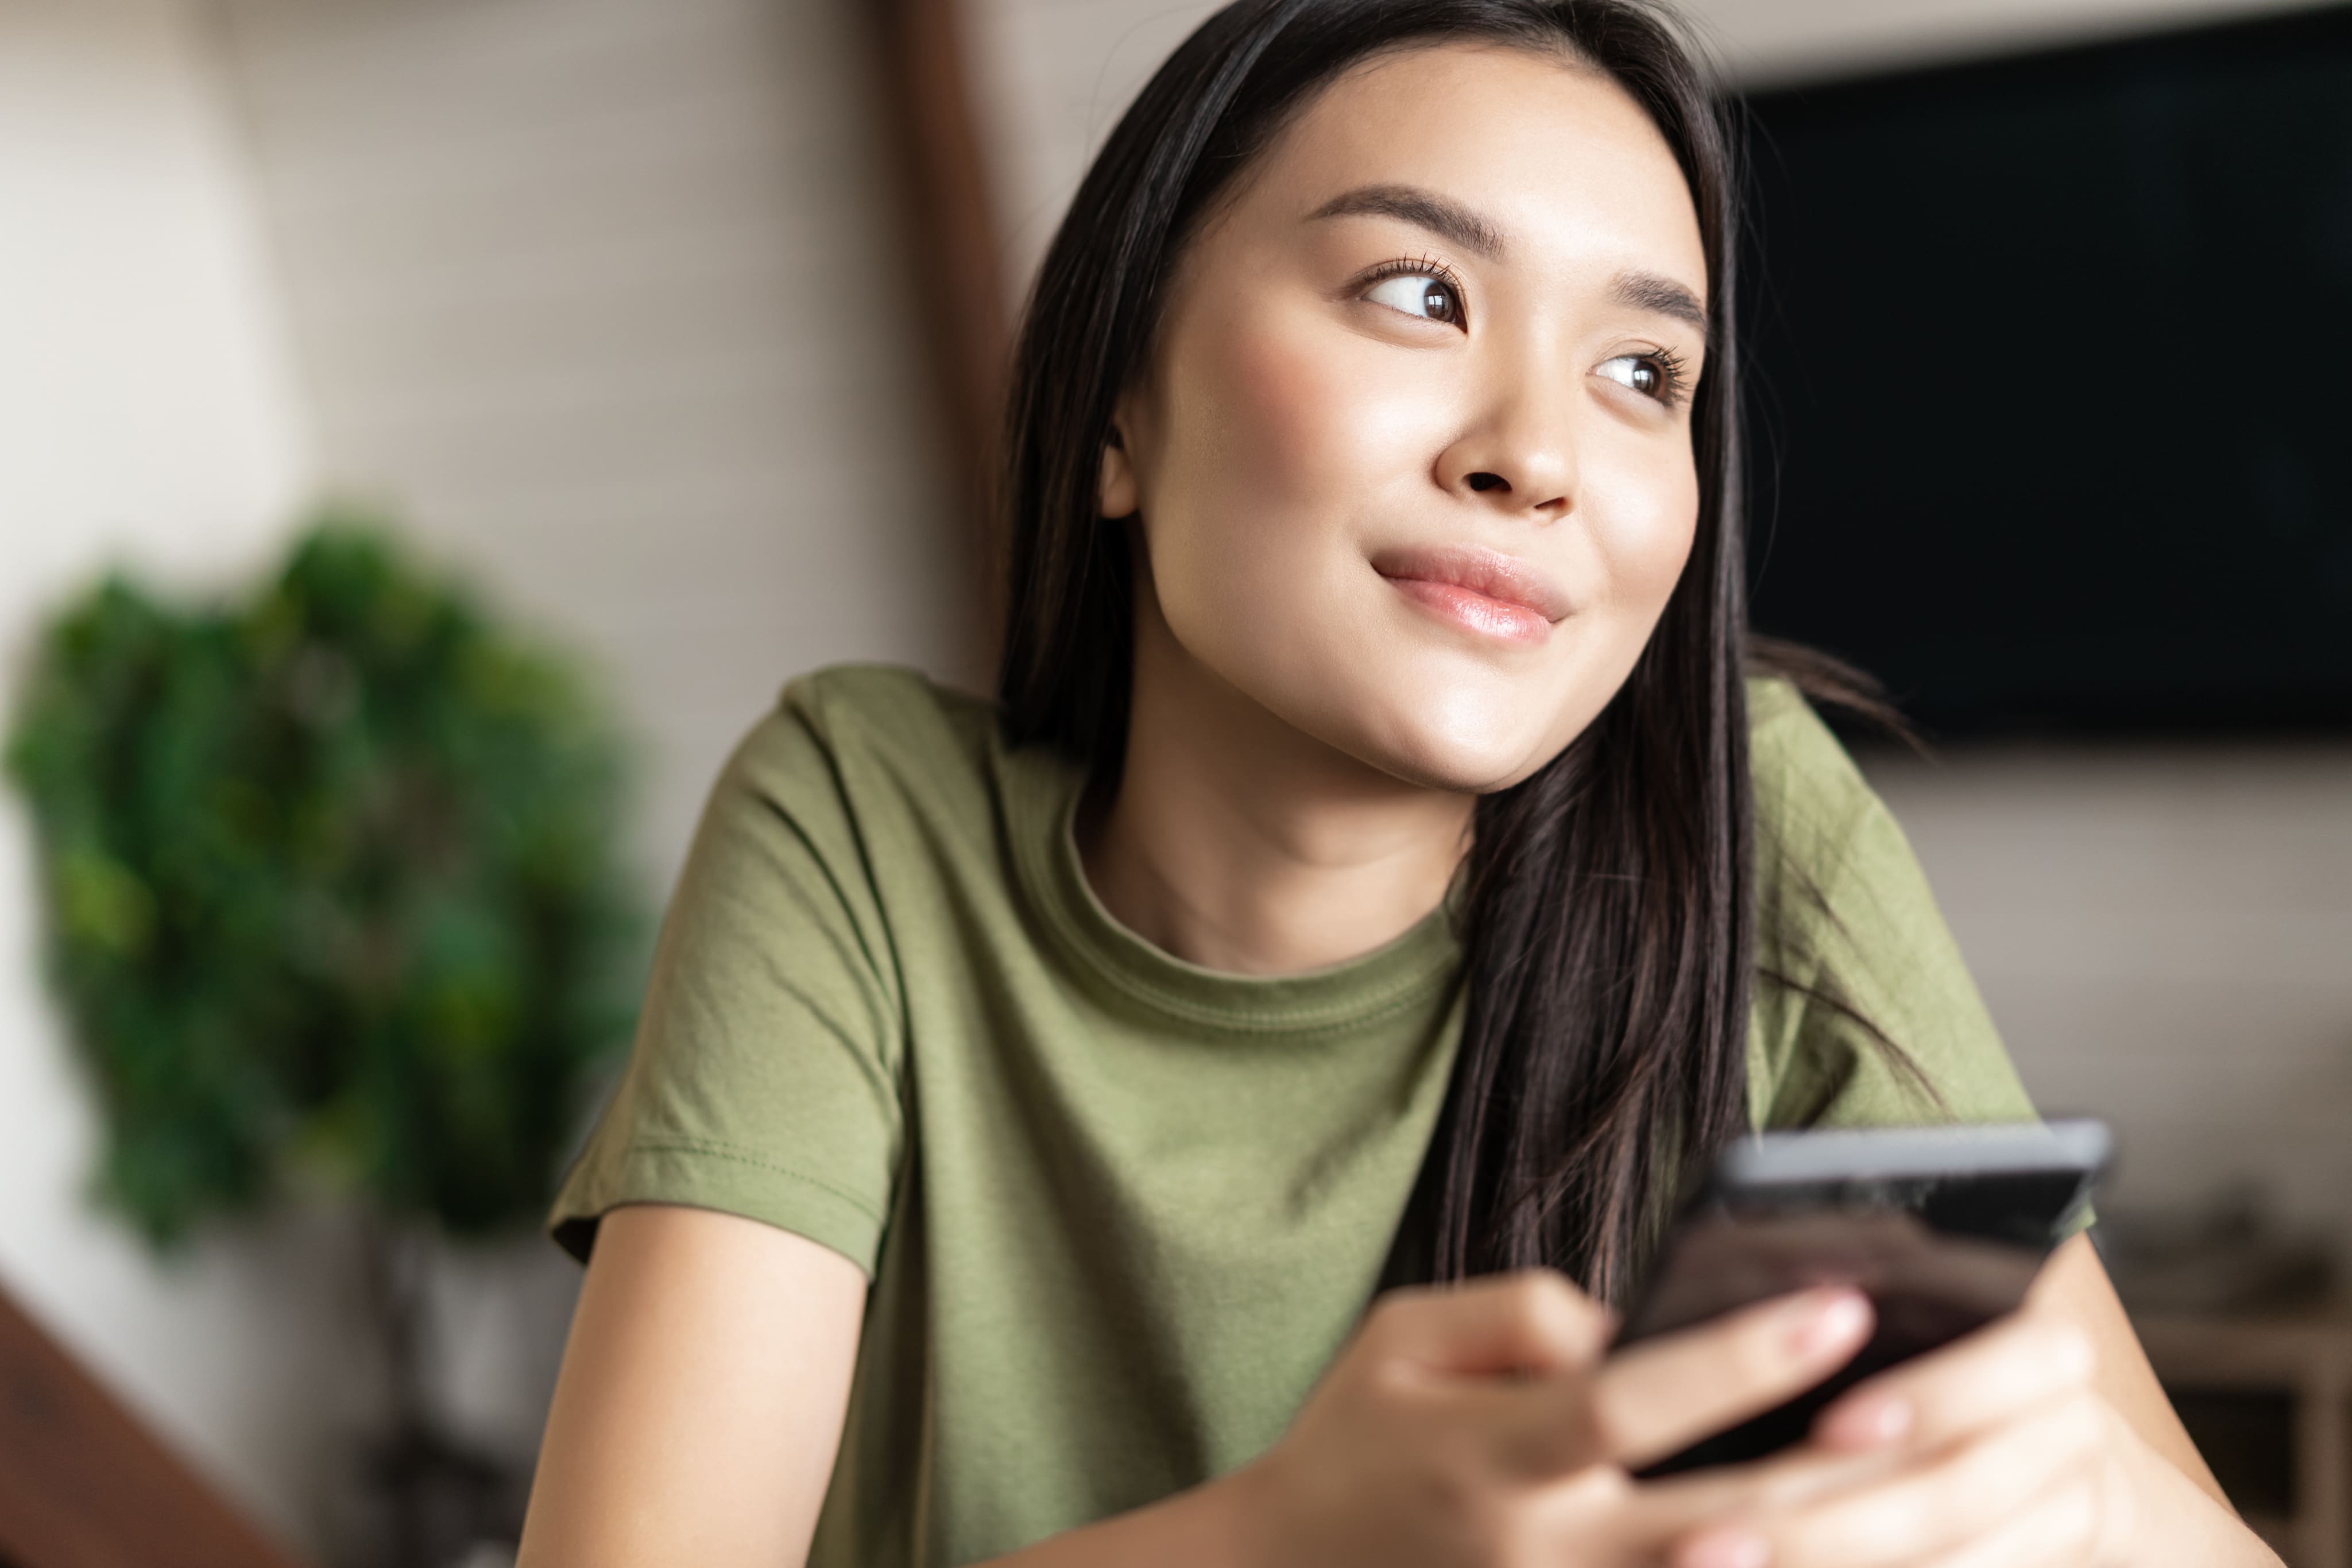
1944	1229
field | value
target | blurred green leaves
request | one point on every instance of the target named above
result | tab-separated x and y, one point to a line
335	891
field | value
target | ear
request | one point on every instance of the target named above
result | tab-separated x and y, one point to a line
1116	491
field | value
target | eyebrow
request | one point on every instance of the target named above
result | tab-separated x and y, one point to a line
1648	291
1661	294
1424	208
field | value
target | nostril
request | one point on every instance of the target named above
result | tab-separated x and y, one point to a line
1488	482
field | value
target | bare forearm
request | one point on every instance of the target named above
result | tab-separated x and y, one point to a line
1207	1525
2180	1524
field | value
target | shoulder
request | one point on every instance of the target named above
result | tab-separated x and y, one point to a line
1826	845
1829	857
1865	1012
884	715
1812	804
862	738
768	1073
1783	730
863	785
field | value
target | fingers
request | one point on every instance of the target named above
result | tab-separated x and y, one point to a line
1788	1480
2057	1530
1972	1437
1947	1508
1978	1382
1662	1395
1533	1322
1679	1505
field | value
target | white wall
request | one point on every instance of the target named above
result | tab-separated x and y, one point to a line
2162	935
1050	77
605	298
146	416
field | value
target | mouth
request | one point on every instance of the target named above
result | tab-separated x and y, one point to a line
1481	591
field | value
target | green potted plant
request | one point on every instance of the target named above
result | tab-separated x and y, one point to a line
335	897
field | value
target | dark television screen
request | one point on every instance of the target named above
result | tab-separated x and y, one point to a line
2052	402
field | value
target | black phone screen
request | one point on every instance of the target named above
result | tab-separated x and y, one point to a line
1943	1229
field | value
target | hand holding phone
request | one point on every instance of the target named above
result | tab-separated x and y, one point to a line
1944	1229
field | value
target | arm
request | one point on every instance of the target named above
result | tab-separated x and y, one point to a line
2183	1516
701	1397
2075	1289
709	1370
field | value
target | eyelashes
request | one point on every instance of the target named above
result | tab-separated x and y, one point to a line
1659	374
1443	301
1666	374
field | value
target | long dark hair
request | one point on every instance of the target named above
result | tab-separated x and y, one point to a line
1609	900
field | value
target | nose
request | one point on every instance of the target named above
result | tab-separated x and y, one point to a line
1518	455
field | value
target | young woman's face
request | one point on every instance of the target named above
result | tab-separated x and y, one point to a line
1412	458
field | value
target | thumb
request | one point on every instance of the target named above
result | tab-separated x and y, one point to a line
1661	1395
1533	1322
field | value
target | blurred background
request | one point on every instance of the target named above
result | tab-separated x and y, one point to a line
662	335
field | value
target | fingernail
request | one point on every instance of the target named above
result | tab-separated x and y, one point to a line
1831	1326
1868	1422
1726	1549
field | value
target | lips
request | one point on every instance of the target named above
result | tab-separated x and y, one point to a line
1482	590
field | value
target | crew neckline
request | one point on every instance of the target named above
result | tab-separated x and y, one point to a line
1041	792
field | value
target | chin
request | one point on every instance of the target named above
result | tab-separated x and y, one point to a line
1470	742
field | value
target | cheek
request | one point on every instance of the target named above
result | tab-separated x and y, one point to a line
1276	425
1640	508
1278	439
1643	515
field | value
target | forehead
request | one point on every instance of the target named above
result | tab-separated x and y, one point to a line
1554	153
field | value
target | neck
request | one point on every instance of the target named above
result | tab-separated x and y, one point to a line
1238	843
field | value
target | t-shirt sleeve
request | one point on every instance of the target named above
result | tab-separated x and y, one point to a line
1865	1014
764	1077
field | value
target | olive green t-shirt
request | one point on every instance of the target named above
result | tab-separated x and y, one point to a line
1120	1211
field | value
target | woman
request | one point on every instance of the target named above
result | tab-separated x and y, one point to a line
1357	885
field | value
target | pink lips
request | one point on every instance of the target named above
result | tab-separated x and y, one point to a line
1482	590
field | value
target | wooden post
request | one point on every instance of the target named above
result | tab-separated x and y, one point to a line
930	119
84	1484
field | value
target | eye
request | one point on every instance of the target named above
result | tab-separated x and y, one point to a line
1653	375
1422	294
